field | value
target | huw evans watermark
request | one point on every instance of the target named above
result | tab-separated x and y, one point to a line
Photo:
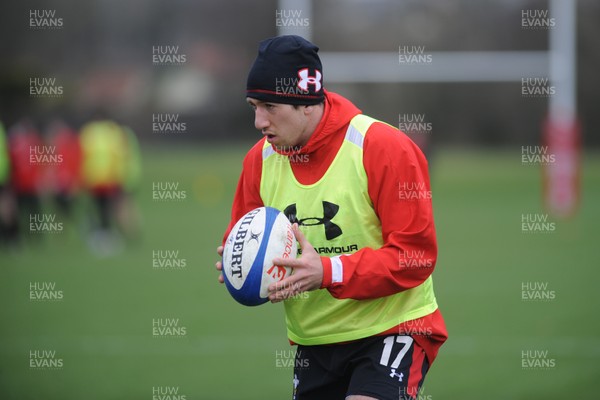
537	87
414	259
44	155
291	359
414	191
45	19
413	55
44	223
537	223
168	123
537	359
537	291
415	327
537	19
45	87
413	124
168	55
291	19
292	154
168	191
536	155
167	393
168	260
168	328
44	291
45	360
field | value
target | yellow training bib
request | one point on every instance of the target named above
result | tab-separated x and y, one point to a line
337	216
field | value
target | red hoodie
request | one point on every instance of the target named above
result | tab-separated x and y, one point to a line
389	157
26	176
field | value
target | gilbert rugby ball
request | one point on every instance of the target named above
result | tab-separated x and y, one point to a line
256	239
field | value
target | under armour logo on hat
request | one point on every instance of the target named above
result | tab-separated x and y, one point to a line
305	79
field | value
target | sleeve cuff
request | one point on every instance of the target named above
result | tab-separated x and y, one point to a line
326	261
333	271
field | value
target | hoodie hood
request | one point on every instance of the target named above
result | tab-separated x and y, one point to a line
336	116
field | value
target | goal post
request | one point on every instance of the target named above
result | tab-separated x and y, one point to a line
560	132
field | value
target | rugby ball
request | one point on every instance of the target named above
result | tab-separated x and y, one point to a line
255	240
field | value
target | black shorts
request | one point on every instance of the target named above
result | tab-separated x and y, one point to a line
384	367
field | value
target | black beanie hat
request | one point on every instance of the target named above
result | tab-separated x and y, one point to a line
287	70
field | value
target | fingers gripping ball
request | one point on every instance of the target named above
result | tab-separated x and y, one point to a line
256	239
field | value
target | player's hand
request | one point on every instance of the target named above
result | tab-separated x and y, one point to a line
219	264
308	271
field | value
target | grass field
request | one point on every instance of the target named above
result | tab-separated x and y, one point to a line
102	329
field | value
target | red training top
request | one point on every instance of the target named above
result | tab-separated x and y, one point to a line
389	158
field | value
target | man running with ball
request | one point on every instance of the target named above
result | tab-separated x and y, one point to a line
360	304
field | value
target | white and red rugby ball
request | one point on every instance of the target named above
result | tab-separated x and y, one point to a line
255	240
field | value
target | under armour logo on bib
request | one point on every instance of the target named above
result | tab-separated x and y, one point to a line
329	211
306	80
